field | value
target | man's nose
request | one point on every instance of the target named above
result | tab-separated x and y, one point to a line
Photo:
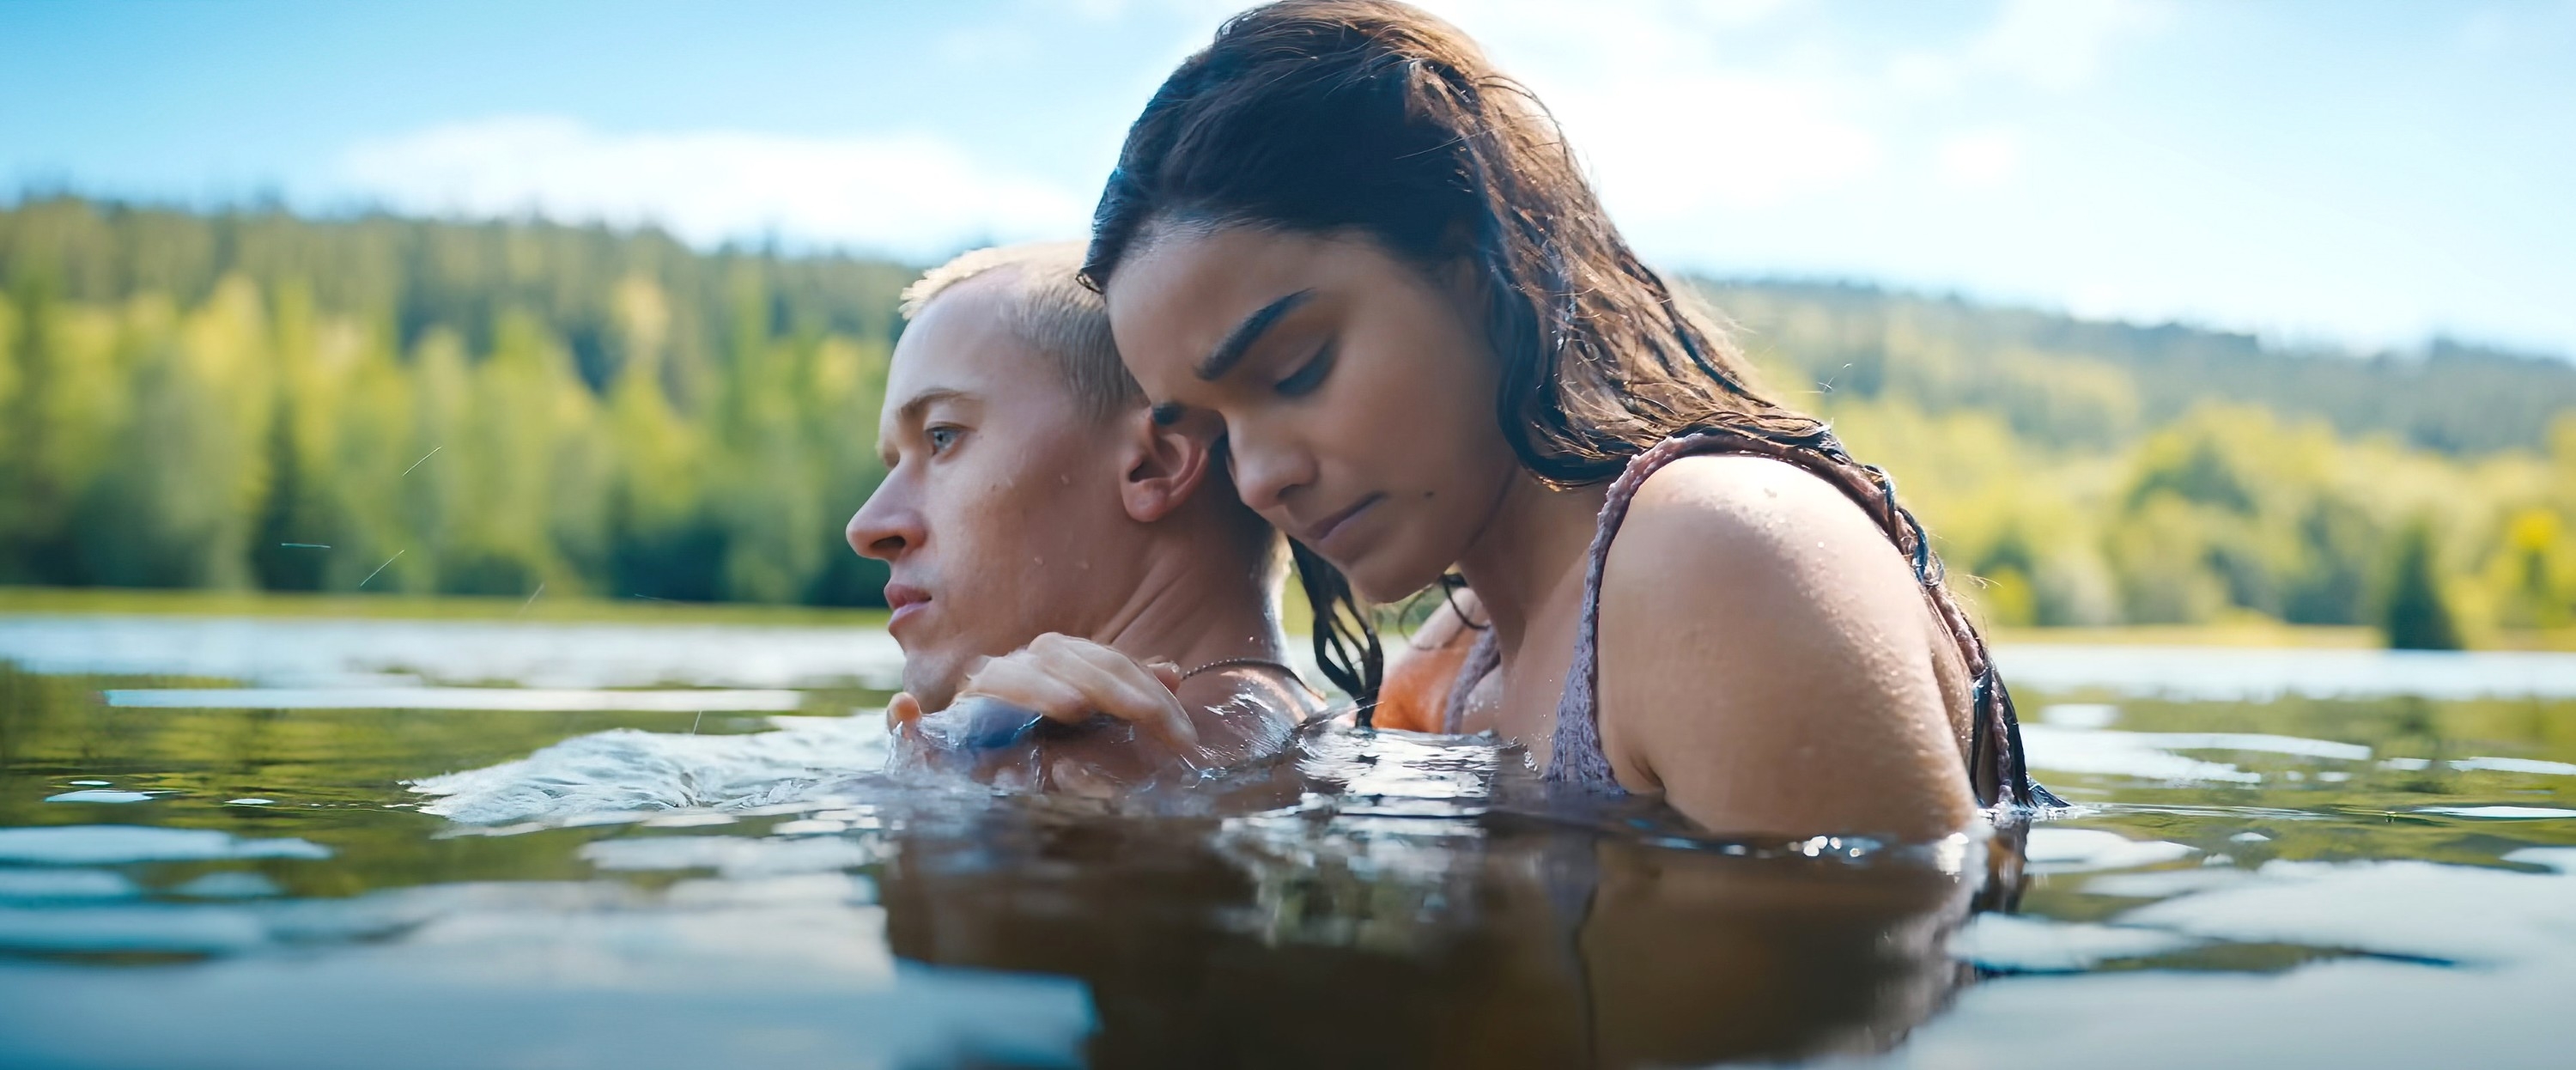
886	525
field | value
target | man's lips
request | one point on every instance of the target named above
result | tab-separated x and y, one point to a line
1316	533
906	601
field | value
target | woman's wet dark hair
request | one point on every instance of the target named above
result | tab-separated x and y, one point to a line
1374	118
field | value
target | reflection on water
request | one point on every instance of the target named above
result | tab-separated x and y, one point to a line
2276	880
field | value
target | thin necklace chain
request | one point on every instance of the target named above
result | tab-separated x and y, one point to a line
1266	663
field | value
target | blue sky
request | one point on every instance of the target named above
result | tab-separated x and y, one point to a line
2355	173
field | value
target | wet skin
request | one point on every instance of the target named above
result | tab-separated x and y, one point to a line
1767	660
1045	555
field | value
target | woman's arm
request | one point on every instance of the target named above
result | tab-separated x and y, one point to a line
1766	660
1121	722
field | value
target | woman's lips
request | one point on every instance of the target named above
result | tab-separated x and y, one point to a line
1324	530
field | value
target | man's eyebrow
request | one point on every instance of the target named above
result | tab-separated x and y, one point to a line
1238	342
910	413
911	409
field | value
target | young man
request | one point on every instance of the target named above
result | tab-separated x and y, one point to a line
1055	549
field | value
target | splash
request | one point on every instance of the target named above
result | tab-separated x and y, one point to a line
626	769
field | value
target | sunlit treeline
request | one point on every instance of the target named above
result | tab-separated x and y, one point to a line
255	400
249	399
2204	479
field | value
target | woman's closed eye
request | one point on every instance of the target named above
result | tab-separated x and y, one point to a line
1308	376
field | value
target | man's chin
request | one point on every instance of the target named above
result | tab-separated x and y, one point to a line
934	699
935	688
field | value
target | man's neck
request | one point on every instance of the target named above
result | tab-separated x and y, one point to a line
1193	607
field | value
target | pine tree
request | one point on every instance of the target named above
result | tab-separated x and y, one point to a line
2415	616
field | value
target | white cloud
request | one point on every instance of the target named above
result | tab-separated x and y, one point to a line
1668	126
908	194
2058	44
1687	110
1981	159
1923	74
1674	144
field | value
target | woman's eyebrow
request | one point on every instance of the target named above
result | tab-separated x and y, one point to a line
1238	342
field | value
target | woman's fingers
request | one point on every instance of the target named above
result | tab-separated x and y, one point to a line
1167	672
1021	681
1069	680
1122	688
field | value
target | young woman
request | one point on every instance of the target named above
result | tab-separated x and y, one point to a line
1342	233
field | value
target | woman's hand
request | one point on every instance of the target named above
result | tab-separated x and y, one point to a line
1071	680
1141	726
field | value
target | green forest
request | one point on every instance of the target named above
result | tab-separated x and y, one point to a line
248	400
255	400
2079	473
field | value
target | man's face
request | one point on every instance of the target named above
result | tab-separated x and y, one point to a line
1001	495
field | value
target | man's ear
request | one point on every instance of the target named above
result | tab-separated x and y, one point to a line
1163	464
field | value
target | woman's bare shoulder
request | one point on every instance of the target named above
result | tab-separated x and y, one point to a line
1761	637
1724	543
1722	520
1736	486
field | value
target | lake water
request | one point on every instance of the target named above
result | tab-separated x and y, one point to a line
288	843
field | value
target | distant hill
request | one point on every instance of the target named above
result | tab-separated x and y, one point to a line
2059	380
251	399
414	276
2072	382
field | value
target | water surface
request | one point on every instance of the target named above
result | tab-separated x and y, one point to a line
286	843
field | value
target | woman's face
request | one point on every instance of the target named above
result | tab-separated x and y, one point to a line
1357	391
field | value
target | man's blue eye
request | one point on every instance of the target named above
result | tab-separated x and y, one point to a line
940	438
1304	380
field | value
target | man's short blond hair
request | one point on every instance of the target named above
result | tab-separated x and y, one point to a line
1047	306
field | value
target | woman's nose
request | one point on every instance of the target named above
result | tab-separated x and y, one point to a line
1266	471
887	525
